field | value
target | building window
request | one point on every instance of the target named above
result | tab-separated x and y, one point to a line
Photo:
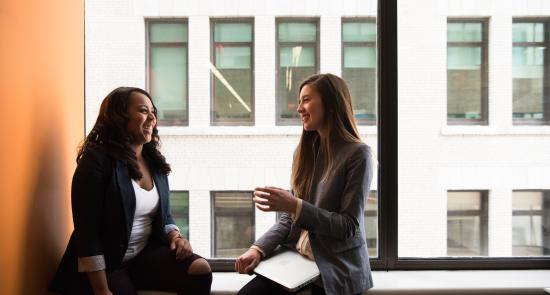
359	66
179	208
531	223
167	70
467	223
467	72
530	72
297	58
232	72
371	223
233	225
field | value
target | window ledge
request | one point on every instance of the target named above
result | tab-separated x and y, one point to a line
493	130
242	130
421	282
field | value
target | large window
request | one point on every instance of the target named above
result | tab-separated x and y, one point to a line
232	223
467	93
531	223
167	70
179	205
359	66
467	223
530	72
232	86
297	58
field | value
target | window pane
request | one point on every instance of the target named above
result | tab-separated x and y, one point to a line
528	32
531	223
179	205
464	32
232	76
466	224
168	32
359	32
528	73
169	82
237	32
464	83
371	223
297	32
233	223
298	56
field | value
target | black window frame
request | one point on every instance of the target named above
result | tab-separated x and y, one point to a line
278	45
235	20
148	22
388	184
546	70
484	68
367	19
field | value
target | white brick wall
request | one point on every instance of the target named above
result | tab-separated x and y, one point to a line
433	157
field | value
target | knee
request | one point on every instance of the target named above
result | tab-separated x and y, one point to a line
199	267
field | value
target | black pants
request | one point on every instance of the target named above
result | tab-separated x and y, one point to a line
260	285
155	268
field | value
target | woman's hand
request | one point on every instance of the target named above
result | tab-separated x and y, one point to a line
248	261
181	246
274	199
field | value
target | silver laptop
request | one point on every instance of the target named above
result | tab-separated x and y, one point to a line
289	269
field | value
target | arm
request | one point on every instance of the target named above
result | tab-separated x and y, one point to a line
276	235
343	224
87	195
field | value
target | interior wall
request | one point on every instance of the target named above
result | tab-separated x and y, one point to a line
41	124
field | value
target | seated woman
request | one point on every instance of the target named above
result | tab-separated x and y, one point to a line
124	237
322	218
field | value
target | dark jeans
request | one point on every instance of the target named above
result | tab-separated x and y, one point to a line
261	285
156	268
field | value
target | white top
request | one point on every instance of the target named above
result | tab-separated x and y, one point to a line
147	203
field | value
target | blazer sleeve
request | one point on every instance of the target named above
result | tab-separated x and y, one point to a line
276	235
345	223
87	197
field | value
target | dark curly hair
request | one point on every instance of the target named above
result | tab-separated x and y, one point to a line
111	136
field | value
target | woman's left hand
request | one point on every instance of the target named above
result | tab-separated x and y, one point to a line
274	199
181	246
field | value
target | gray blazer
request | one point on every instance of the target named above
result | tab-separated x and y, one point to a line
334	217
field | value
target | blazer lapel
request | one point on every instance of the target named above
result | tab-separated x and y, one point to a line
127	195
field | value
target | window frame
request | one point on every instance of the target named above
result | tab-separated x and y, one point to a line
484	68
148	72
344	45
224	263
235	20
278	45
546	70
482	213
530	213
172	212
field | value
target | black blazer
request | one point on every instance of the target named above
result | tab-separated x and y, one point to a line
103	206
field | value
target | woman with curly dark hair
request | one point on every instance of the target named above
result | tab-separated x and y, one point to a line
124	237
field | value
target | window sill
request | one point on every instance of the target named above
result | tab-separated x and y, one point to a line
493	130
243	130
422	282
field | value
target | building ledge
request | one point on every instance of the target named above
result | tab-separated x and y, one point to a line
473	130
421	282
243	130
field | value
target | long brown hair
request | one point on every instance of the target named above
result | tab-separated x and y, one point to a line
110	134
339	124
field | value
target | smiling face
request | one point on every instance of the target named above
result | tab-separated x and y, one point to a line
141	118
311	109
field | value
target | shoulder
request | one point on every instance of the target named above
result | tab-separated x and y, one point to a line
94	157
355	150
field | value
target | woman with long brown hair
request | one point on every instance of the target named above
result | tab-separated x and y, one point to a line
124	236
322	216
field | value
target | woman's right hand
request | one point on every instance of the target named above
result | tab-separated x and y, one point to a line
248	261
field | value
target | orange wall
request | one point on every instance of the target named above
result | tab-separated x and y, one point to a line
41	124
